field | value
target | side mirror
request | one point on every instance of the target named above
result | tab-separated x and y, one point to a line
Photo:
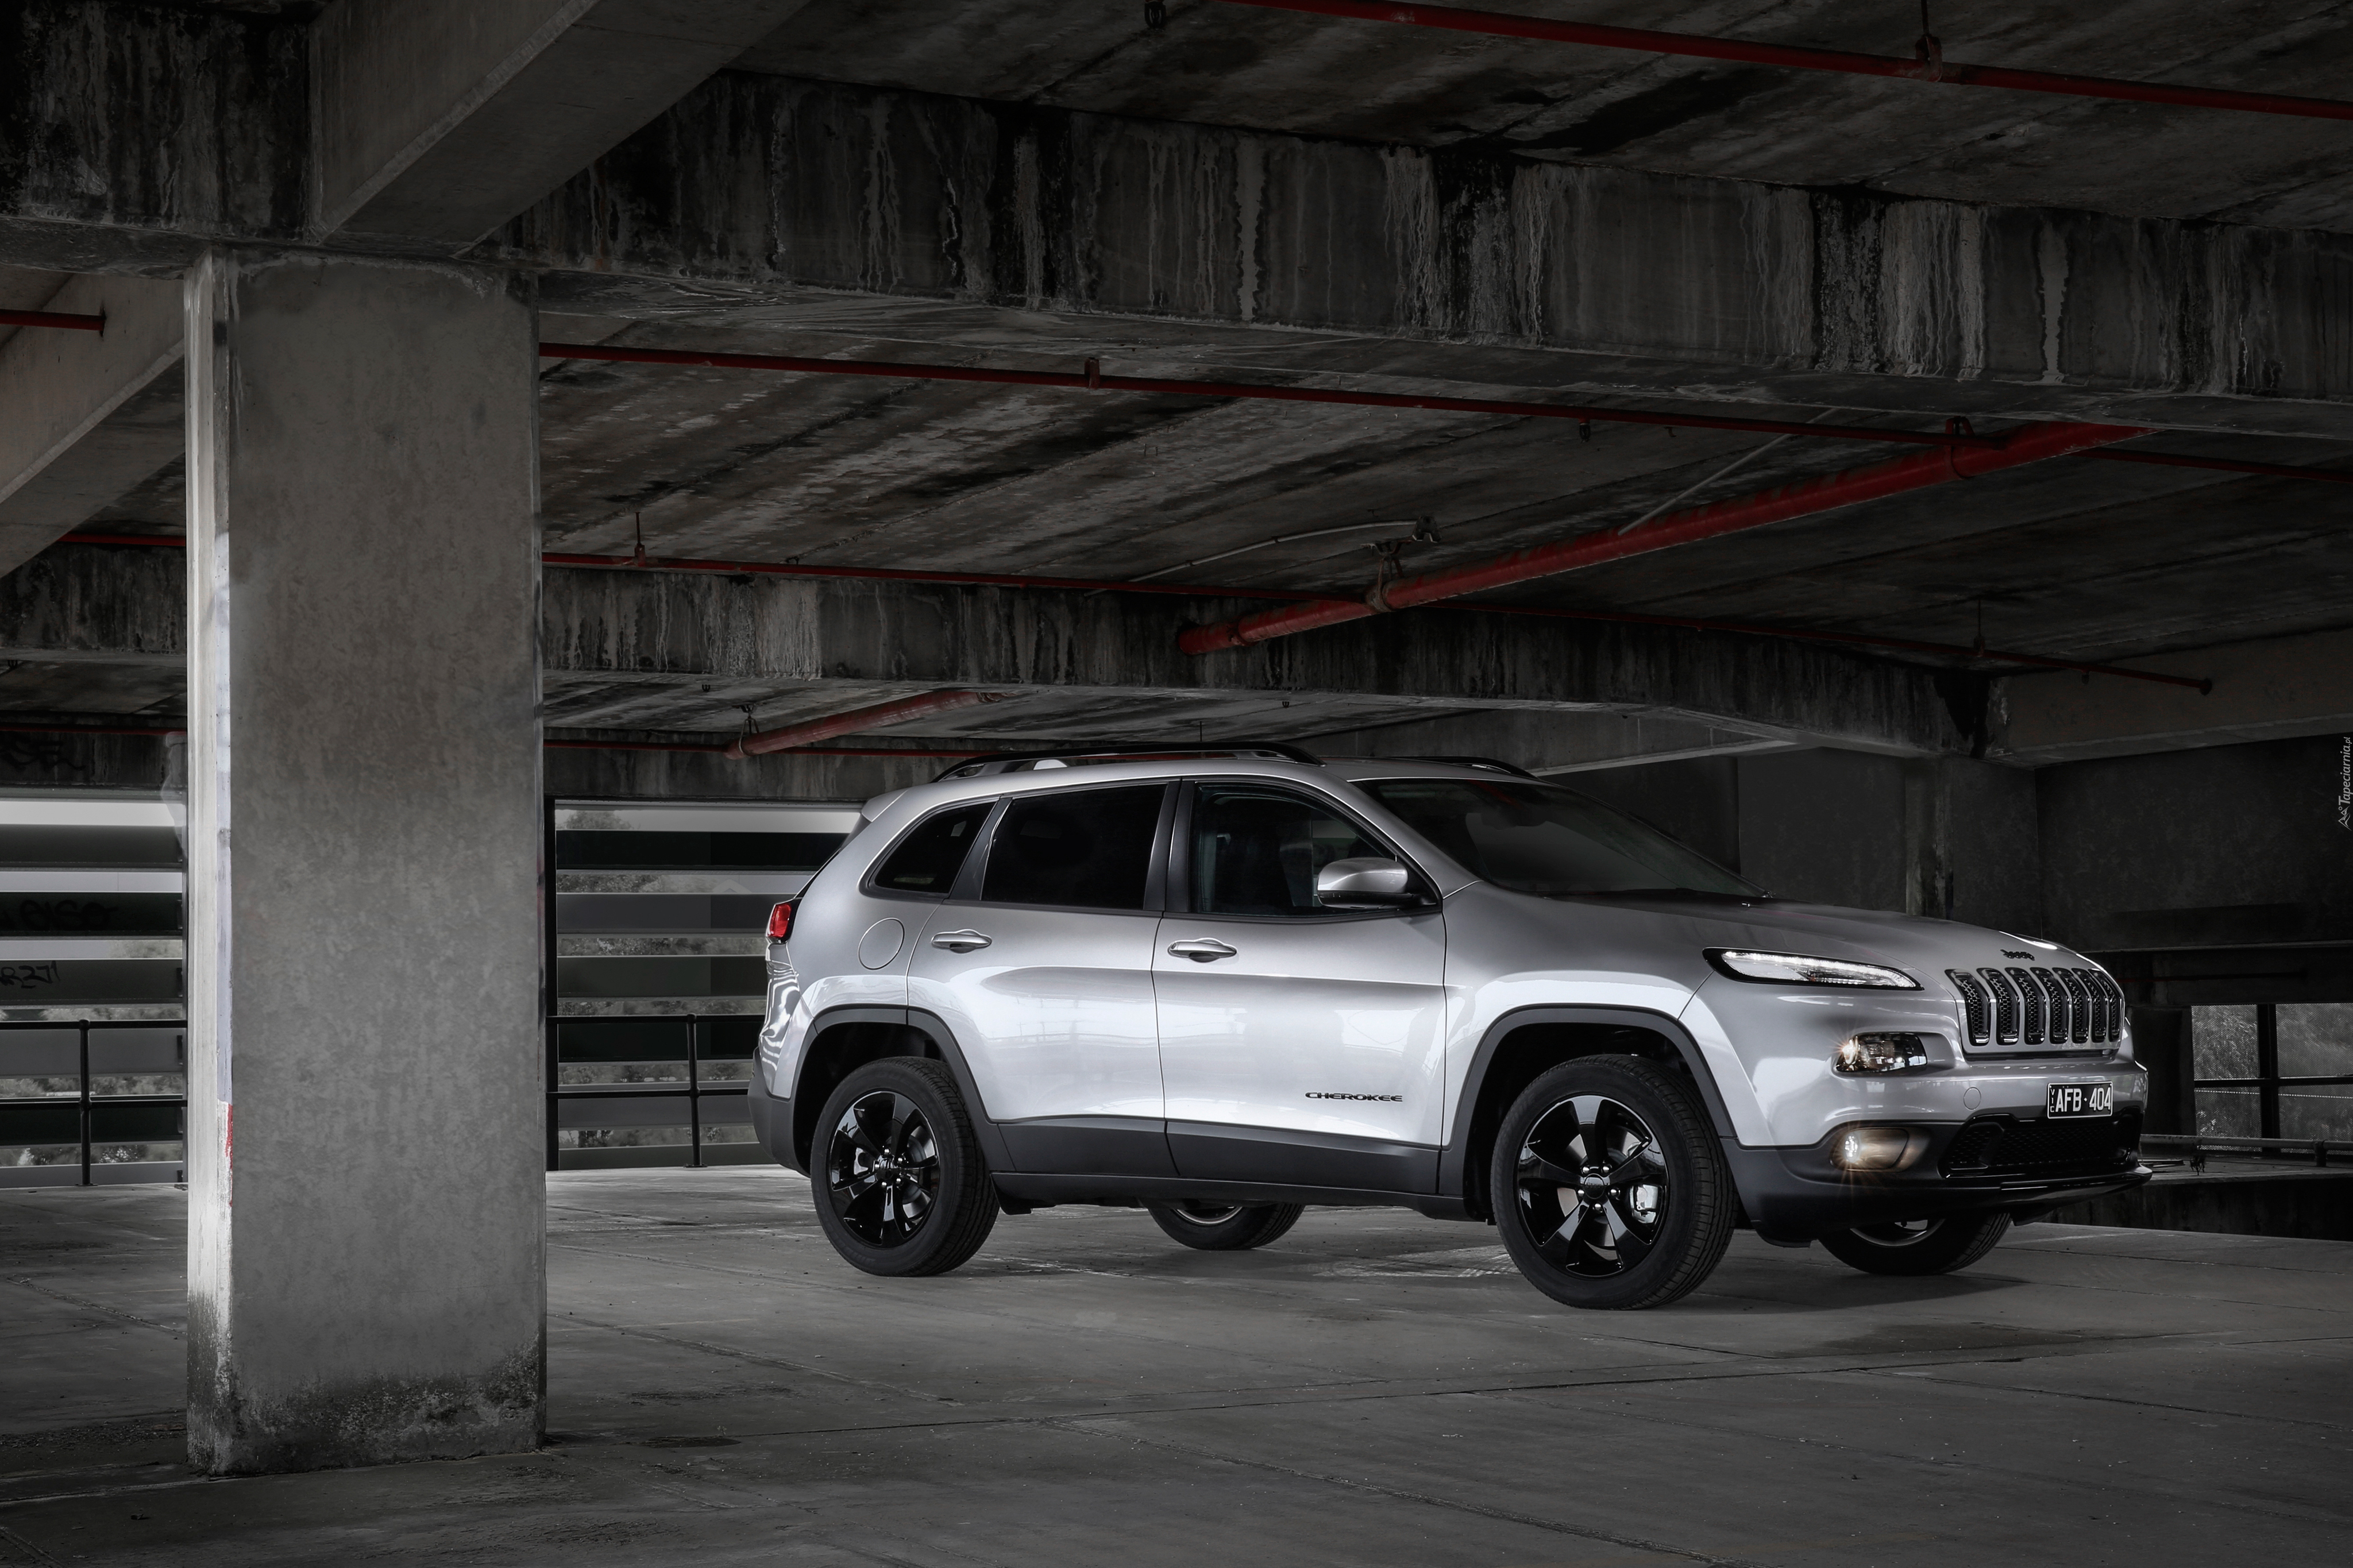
1366	883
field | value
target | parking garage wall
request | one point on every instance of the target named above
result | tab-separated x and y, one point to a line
659	970
93	1042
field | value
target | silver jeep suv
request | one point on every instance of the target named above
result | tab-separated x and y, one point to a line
1224	983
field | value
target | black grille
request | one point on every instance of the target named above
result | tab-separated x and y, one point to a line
2000	1145
1973	1004
2050	1002
2039	1006
1973	1146
2112	999
2080	1025
2005	1006
2030	1020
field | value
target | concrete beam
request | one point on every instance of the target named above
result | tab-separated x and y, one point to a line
90	413
130	135
616	774
864	210
608	632
1550	742
619	645
438	120
1291	254
97	604
2275	689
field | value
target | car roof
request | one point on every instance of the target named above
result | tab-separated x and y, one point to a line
1046	773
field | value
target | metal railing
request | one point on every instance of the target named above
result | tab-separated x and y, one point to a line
2198	1145
89	1111
694	1090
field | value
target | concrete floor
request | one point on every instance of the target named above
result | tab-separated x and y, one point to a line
1373	1388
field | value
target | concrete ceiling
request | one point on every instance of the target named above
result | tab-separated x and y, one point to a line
2075	558
1230	65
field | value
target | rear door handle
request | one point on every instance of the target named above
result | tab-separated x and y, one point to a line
960	941
1201	950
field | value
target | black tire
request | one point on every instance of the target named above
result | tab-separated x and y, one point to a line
1919	1247
1638	1163
1225	1227
901	1187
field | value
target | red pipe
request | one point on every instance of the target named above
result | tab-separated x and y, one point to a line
2032	444
175	540
878	574
1094	380
1097	382
87	730
69	321
1929	65
1796	634
811	731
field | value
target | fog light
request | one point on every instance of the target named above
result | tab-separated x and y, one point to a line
1877	1148
1883	1053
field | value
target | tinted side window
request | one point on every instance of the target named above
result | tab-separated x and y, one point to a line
1091	848
928	860
1256	851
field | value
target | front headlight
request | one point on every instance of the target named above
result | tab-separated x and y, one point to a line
1796	969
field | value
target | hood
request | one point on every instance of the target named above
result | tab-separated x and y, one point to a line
1921	946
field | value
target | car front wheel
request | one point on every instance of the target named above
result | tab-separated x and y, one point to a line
1609	1186
900	1186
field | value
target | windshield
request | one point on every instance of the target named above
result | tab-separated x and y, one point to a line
1540	838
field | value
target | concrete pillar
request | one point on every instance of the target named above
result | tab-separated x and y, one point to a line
364	1266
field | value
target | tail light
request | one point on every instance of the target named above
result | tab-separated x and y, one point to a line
780	922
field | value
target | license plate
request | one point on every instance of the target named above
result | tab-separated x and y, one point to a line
2081	1100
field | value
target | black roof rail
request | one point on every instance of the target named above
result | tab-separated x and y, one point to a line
1488	764
1010	761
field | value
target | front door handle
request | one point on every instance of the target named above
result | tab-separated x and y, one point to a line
1201	950
960	941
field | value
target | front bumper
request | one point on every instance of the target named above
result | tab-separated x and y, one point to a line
1798	1194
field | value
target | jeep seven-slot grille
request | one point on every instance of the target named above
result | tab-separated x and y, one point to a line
1998	1146
2082	1024
2039	1006
1973	1003
2036	1003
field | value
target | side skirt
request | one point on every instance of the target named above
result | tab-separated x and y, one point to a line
1039	1191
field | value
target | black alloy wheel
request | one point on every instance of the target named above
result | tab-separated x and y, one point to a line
1919	1246
1608	1186
1225	1227
902	1188
882	1169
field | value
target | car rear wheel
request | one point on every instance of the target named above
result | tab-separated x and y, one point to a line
1919	1247
1225	1227
1608	1186
900	1186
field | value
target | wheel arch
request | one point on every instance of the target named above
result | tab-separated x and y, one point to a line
1528	1041
842	1041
